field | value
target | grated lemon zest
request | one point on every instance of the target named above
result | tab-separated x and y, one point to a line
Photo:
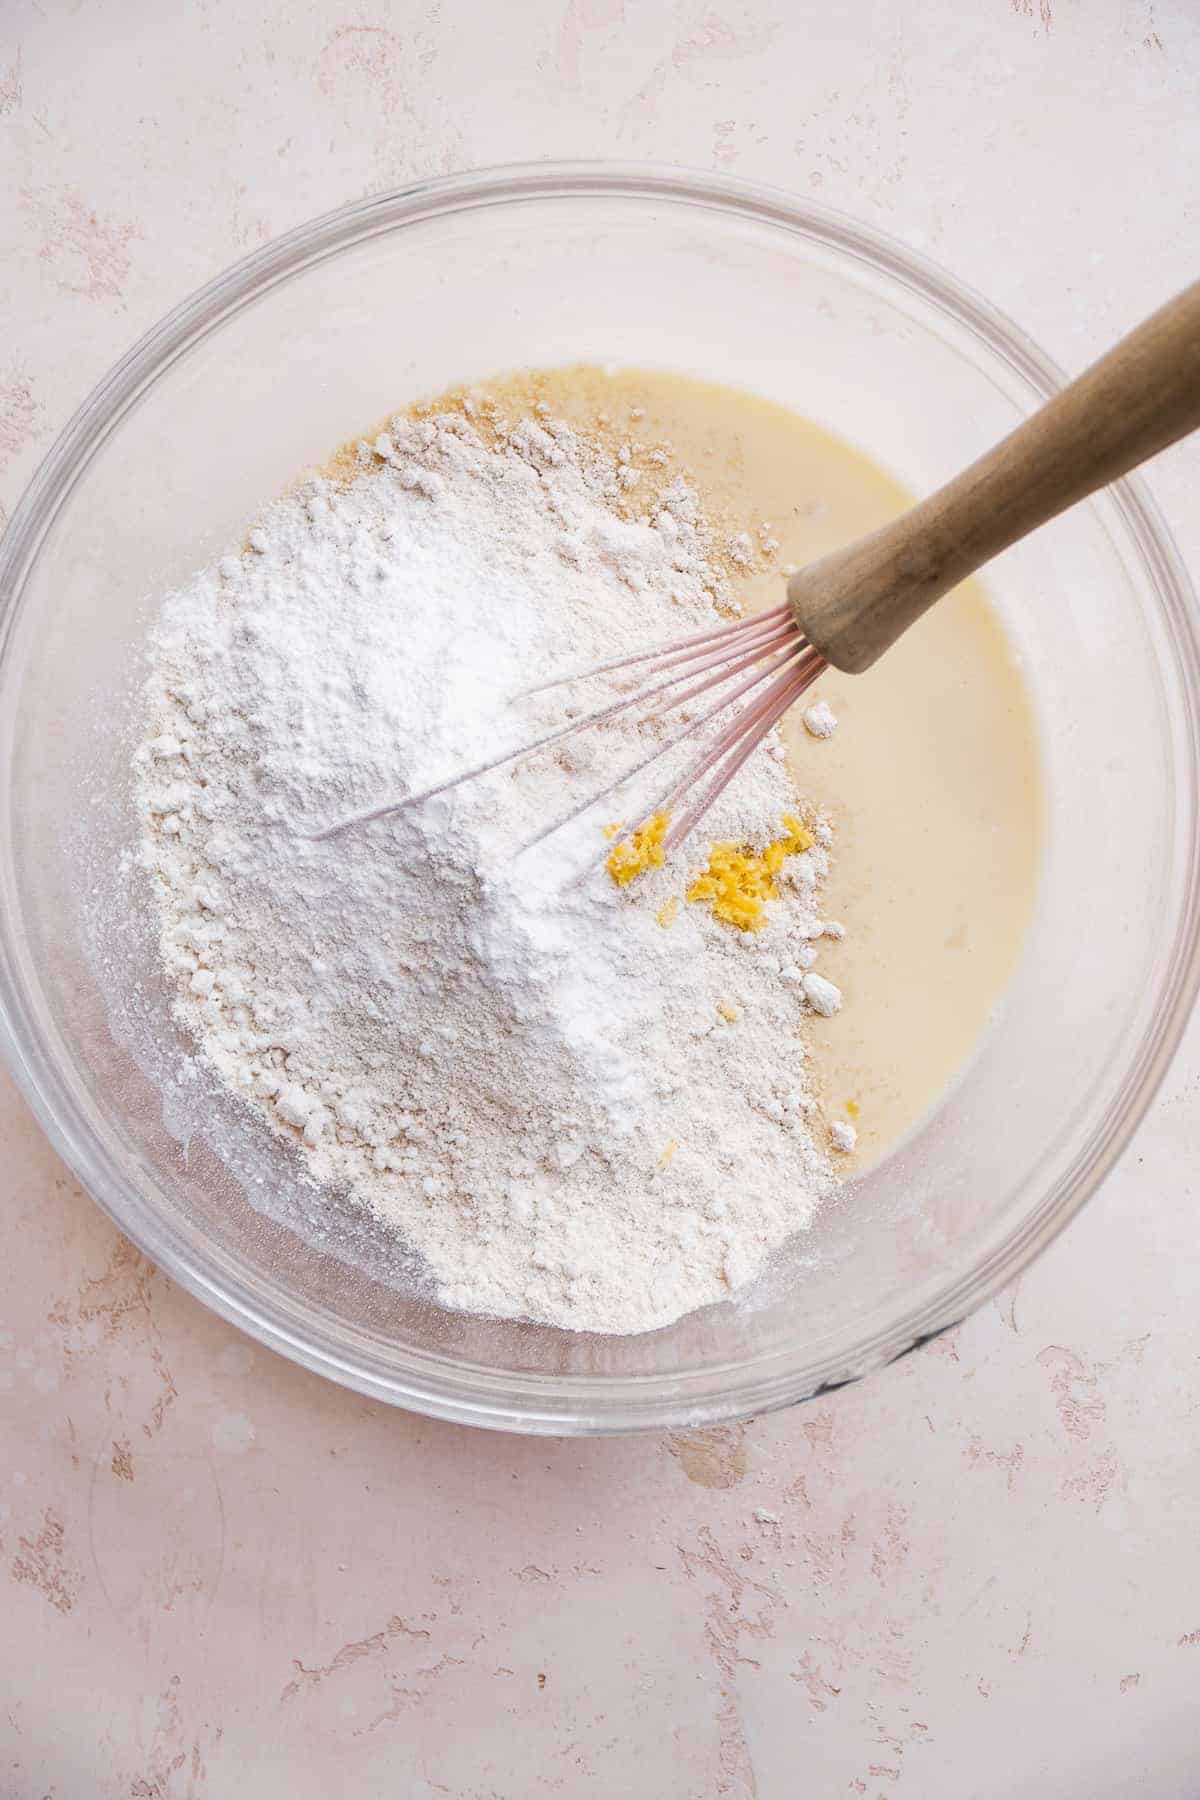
737	883
644	850
669	912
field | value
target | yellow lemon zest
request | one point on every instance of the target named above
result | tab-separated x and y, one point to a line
669	912
852	1107
668	1151
728	1011
610	831
737	883
644	850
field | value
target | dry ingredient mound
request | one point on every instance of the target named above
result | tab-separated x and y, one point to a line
582	1105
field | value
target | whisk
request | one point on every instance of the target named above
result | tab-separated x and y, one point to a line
846	609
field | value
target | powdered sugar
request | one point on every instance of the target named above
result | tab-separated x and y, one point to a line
819	720
574	1112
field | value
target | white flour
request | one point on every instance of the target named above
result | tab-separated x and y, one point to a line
575	1114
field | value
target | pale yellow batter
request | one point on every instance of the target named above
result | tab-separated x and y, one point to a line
932	777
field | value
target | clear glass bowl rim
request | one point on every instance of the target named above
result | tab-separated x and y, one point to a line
441	1387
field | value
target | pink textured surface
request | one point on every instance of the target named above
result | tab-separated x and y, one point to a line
977	1575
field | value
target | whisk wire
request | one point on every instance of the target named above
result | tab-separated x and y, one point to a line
773	615
748	720
634	769
758	637
736	743
740	746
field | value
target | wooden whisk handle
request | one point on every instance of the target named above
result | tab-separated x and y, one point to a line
1135	401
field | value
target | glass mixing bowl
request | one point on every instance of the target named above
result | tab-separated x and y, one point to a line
314	337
